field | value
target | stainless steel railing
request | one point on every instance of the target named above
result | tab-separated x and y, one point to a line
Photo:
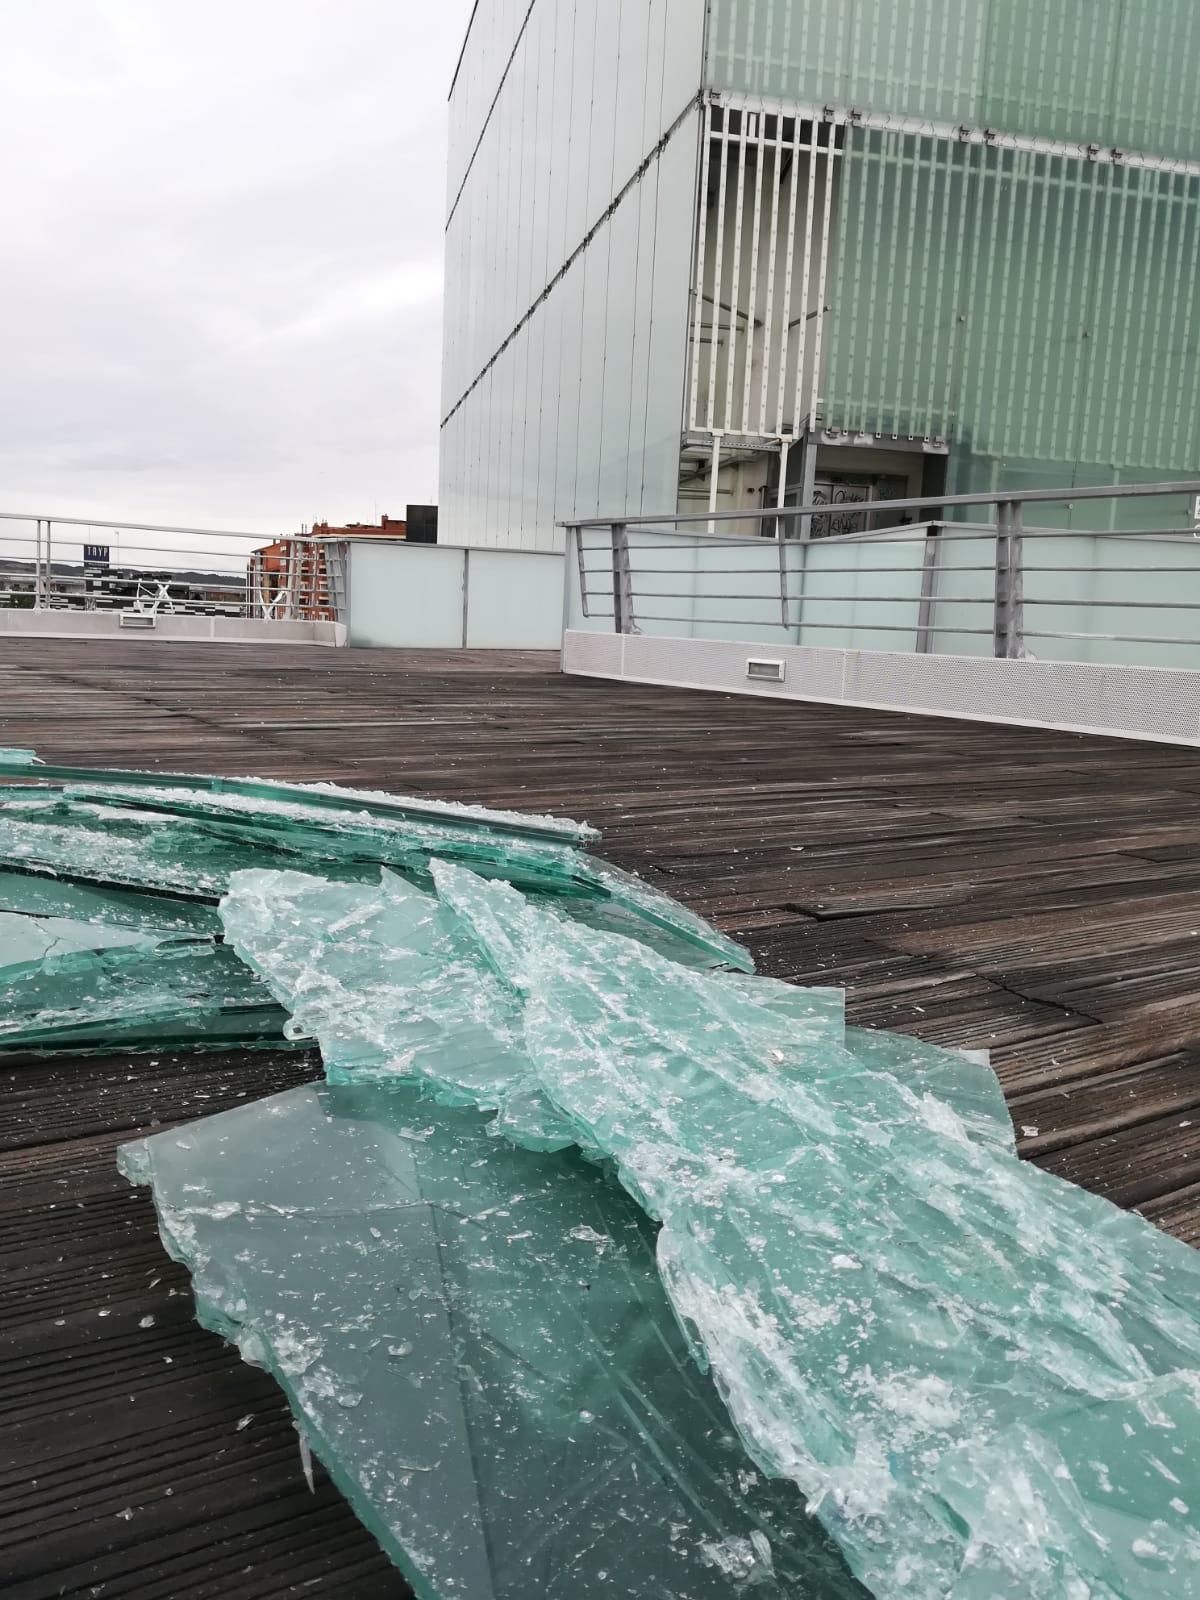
72	563
1000	587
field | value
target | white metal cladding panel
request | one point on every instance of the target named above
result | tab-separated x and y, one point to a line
590	89
580	413
567	271
493	32
598	653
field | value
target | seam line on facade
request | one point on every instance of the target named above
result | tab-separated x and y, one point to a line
955	133
462	49
634	179
512	56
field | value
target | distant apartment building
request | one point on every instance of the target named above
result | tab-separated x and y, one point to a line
760	252
295	576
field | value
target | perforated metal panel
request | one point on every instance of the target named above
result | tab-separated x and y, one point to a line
1134	702
586	653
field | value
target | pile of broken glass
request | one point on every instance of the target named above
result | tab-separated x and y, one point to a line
598	1264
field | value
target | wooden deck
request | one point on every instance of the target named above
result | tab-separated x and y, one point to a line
1031	892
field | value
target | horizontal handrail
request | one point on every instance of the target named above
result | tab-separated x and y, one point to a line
133	527
900	587
44	565
1017	497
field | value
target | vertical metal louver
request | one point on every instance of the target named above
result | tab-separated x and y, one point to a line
767	188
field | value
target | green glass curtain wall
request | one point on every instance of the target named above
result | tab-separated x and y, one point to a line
1035	310
1094	71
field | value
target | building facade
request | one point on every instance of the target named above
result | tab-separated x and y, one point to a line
760	252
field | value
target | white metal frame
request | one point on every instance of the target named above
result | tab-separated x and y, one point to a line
775	176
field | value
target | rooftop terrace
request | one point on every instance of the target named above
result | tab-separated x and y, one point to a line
1025	891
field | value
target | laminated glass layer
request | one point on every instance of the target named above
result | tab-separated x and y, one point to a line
76	992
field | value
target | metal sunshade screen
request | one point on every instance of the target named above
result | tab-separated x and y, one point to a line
1024	305
767	184
1102	71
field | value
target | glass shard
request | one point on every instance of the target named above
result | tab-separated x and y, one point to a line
134	851
189	843
139	995
324	796
393	987
48	895
33	941
477	1344
909	1323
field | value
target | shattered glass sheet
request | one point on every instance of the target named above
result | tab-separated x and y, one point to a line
133	851
183	843
905	1320
394	987
79	992
478	1345
984	1380
27	764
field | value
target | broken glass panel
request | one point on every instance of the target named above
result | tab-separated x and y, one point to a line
392	986
623	902
477	1343
909	1323
325	796
187	844
142	995
134	851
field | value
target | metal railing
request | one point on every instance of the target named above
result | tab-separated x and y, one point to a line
932	586
74	563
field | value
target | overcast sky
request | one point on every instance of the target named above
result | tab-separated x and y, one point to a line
221	257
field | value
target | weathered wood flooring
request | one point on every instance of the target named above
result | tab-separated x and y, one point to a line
1031	892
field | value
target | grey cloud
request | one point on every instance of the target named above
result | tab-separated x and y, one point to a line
221	260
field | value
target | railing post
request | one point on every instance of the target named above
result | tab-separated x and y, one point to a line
1009	621
808	487
781	493
49	568
714	466
575	534
929	566
622	580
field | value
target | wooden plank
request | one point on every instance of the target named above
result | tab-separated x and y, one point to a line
1027	890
